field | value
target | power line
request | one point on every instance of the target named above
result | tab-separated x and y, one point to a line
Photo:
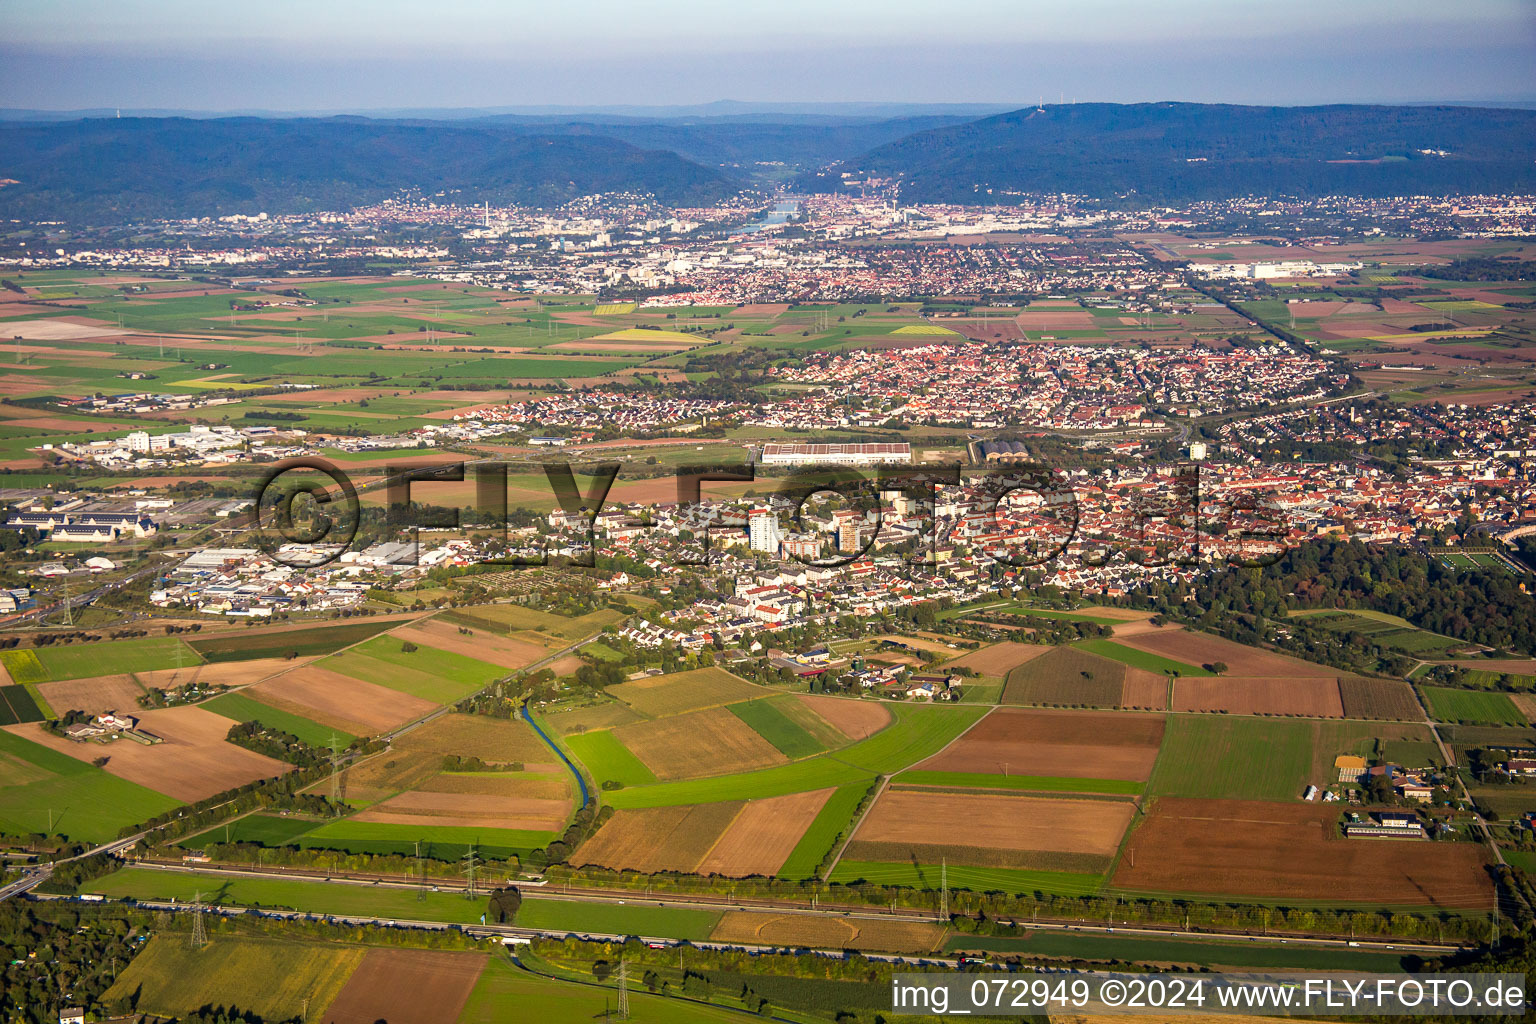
623	989
199	931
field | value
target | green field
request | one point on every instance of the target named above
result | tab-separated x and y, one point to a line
443	842
419	673
266	829
405	903
916	733
1234	758
1061	883
298	643
1139	659
608	759
273	978
834	816
1030	783
83	802
77	661
248	709
22	703
1088	946
507	993
1472	706
773	725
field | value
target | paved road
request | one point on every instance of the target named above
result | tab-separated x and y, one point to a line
37	874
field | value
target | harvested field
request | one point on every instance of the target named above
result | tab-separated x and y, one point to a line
987	821
224	673
1067	676
682	692
406	986
95	695
470	809
712	742
1000	659
856	719
763	835
601	716
1070	744
484	645
192	762
1144	691
1196	648
1387	699
1308	697
331	698
1288	851
1525	702
493	740
801	930
566	666
658	838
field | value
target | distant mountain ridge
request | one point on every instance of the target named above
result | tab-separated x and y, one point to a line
115	170
1177	152
122	169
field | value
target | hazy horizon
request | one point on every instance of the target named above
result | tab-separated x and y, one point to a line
287	57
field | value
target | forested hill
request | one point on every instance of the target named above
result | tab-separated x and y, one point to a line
1174	152
123	169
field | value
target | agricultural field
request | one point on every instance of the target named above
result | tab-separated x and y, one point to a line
407	986
241	707
44	791
1144	655
917	732
304	642
18	705
340	701
992	830
517	618
798	930
710	742
77	661
504	991
276	978
1276	695
960	876
1291	851
1219	757
1472	707
1090	745
191	761
732	838
657	696
1388	631
1077	677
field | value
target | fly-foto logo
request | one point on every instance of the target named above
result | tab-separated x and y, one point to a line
308	514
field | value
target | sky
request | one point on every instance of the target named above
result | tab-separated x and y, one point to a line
329	55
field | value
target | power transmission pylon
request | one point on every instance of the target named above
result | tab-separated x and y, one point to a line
421	893
199	931
69	611
335	773
470	861
623	989
944	889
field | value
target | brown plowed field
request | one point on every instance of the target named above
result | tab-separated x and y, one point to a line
856	719
1310	697
827	932
994	821
763	835
1143	690
658	838
1287	851
481	644
407	986
711	742
193	761
227	673
331	698
1389	699
1071	744
1000	659
1525	703
1067	676
1195	648
97	694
